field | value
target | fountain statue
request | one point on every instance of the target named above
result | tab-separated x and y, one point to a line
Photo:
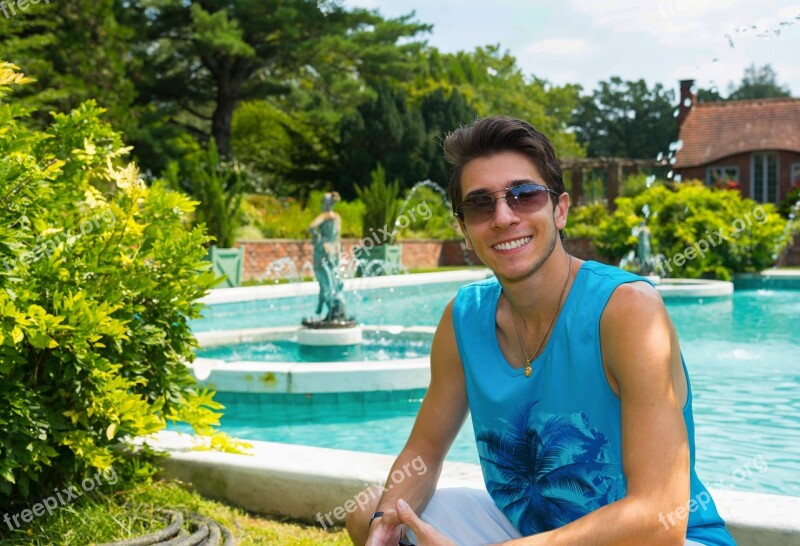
644	252
325	232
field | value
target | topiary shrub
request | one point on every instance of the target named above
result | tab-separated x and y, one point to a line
99	276
726	232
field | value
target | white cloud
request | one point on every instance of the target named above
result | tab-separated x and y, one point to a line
676	23
560	47
366	4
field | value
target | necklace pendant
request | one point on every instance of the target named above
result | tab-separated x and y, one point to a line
528	370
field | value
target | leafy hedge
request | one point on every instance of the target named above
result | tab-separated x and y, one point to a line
741	234
98	278
584	221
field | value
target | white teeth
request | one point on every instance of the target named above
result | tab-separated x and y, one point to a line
511	245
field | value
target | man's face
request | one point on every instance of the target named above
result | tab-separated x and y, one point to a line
532	235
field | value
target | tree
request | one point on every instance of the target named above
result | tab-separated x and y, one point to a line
387	131
626	119
492	83
758	83
403	136
441	114
709	95
204	57
77	50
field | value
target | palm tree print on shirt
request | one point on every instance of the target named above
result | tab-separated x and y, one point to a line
546	470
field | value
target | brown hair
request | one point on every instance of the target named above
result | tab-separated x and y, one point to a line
494	135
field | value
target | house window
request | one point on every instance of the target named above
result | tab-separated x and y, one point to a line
720	175
794	175
765	178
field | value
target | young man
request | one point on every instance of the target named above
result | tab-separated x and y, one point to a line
571	371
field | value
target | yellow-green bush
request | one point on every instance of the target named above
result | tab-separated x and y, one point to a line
98	279
741	234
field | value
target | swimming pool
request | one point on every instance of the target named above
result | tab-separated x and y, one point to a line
742	353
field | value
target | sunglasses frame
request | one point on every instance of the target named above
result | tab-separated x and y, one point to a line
513	204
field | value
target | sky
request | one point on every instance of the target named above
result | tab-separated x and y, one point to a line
586	41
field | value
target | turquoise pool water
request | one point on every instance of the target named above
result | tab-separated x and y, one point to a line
376	346
404	305
743	355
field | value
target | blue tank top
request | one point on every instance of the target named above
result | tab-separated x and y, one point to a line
550	445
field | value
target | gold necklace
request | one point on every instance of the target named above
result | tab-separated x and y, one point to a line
528	369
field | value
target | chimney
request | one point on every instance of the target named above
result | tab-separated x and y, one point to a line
688	99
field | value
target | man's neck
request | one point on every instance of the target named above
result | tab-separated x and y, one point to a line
536	297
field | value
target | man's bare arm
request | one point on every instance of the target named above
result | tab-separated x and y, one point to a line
440	417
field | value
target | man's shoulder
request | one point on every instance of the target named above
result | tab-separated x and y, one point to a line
476	294
478	288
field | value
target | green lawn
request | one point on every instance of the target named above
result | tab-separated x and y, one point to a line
119	515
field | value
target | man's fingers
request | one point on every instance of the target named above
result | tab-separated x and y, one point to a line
408	517
390	517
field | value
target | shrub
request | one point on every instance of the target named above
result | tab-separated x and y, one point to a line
584	221
742	235
286	218
381	206
790	201
217	186
351	212
277	218
441	224
99	278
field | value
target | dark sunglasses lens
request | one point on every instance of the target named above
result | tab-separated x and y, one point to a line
528	197
478	209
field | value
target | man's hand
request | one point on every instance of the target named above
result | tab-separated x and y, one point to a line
386	530
426	534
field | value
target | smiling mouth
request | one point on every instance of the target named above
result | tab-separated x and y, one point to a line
511	245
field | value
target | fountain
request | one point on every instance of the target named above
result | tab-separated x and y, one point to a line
439	190
787	232
336	327
643	261
330	353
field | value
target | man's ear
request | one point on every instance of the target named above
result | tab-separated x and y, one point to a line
464	232
561	211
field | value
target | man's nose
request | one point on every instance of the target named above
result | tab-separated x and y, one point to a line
504	215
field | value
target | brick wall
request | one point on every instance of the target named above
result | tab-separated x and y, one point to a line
417	254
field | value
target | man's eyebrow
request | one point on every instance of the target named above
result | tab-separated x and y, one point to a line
518	182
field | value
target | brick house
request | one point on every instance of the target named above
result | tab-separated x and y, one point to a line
753	142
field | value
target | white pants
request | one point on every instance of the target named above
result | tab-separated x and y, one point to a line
470	517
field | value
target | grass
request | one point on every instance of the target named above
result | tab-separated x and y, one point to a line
119	515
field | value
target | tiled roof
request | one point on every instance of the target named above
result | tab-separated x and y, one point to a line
715	130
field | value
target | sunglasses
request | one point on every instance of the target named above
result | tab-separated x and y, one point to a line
524	198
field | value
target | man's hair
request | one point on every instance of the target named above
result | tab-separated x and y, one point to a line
494	135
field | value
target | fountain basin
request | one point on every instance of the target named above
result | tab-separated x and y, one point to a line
385	372
692	288
322	337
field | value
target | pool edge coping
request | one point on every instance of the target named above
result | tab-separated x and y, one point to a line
304	482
